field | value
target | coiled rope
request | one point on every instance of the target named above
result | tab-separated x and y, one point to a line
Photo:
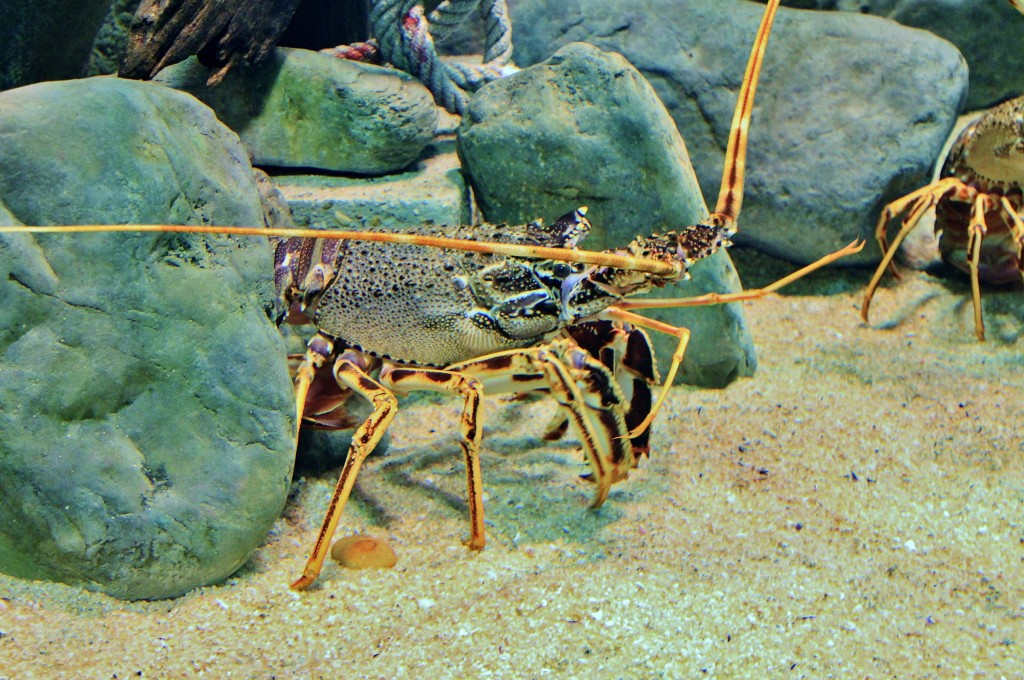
404	37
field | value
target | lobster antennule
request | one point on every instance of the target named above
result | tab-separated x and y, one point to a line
730	197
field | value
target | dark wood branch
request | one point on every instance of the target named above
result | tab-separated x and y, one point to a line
222	32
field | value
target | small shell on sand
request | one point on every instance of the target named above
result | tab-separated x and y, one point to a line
363	552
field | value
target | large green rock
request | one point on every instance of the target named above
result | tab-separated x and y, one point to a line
303	109
145	402
584	128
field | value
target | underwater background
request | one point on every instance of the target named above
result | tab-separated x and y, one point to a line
824	497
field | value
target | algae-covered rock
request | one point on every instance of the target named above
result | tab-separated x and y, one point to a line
145	403
584	128
431	191
303	109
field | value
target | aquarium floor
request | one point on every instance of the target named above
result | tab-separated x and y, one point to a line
856	509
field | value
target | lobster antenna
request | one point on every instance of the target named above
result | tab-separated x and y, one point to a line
730	197
656	267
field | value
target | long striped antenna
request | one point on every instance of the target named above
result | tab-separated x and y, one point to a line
730	197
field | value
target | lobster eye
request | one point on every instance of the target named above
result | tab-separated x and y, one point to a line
562	269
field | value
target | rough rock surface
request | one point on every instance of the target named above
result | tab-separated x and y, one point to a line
145	402
432	190
585	128
303	109
987	33
851	111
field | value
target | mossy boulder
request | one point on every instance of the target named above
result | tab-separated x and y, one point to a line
303	109
145	402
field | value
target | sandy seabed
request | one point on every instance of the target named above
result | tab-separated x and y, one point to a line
855	510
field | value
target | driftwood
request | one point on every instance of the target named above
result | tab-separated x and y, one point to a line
222	32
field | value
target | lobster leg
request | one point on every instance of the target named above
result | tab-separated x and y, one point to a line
303	379
585	389
919	202
928	195
455	382
589	393
1016	226
976	234
350	371
683	337
625	349
909	222
318	349
583	386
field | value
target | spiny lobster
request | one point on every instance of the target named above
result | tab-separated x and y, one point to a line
492	309
978	202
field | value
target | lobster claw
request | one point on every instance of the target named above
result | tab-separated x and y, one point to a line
627	352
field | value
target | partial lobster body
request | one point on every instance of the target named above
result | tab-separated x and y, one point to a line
394	318
978	202
999	257
988	158
442	307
